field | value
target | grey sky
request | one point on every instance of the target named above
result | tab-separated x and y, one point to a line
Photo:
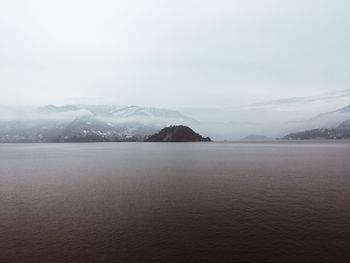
183	53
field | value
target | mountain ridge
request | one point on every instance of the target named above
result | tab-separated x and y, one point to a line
342	131
69	123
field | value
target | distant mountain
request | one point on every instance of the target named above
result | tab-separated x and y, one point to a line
342	131
30	130
93	109
330	119
56	109
256	137
147	113
178	133
345	109
78	123
123	113
83	129
345	125
90	129
323	121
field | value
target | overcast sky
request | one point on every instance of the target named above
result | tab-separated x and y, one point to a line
178	53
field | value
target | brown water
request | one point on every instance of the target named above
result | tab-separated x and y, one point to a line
189	202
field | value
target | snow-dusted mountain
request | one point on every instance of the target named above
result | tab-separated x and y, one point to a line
119	113
97	110
142	113
88	123
80	122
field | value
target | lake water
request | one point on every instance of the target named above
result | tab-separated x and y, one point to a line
175	202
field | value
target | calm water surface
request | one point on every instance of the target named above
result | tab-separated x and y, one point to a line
189	202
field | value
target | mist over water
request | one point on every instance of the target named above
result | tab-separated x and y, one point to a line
194	202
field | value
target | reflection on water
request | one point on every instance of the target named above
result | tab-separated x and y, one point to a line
189	202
